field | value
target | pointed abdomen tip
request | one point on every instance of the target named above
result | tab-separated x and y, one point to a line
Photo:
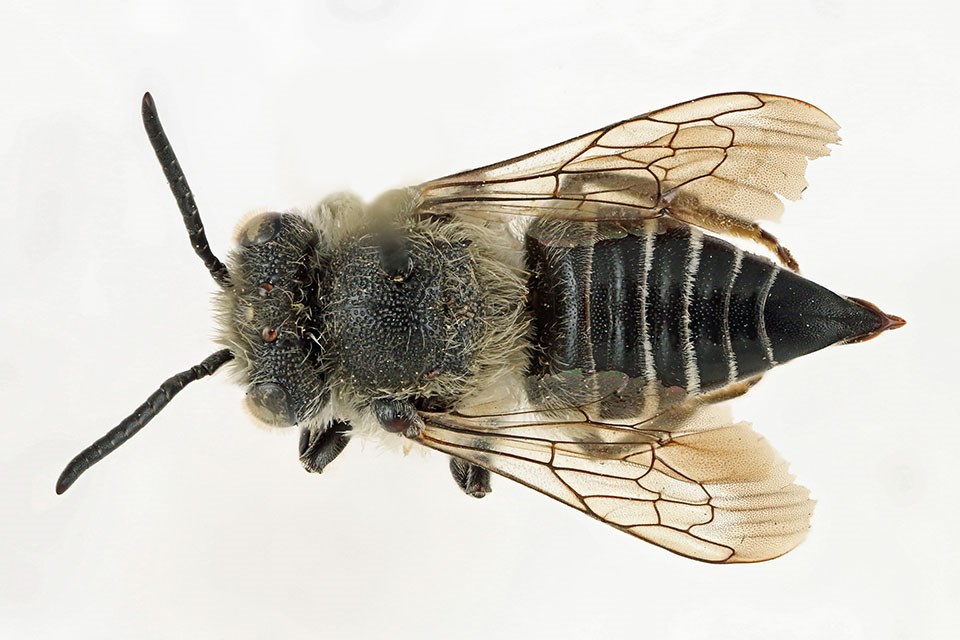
885	321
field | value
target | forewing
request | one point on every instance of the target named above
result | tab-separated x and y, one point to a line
728	155
704	488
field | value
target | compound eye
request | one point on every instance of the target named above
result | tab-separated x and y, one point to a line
270	403
260	229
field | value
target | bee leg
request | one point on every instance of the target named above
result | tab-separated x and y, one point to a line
319	448
474	480
397	416
721	223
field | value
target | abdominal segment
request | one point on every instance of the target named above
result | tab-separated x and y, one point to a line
676	311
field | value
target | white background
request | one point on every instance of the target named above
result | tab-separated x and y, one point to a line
204	526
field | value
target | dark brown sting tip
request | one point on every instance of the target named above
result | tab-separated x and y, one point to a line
887	322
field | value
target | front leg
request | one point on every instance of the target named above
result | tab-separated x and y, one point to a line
319	448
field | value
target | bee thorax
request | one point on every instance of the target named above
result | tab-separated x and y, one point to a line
405	312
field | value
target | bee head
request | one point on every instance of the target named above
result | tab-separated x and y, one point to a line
269	317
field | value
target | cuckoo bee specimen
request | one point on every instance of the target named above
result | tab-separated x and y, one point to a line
571	319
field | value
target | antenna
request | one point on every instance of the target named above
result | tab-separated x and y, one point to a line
139	418
181	191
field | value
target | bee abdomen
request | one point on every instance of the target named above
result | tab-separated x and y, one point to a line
678	308
672	308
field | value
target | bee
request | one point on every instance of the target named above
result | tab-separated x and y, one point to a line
574	319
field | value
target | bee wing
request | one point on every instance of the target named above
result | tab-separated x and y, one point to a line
702	486
727	155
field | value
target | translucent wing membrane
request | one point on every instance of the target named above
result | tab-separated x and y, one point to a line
700	486
727	155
